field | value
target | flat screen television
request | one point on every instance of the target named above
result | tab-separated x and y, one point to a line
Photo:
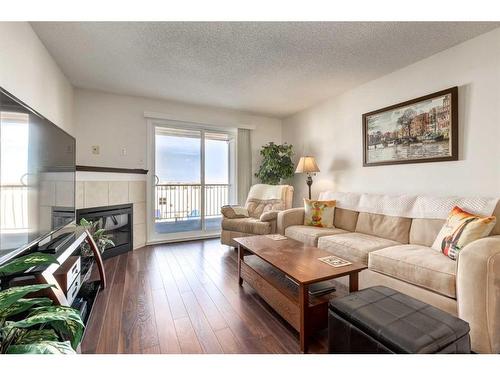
37	177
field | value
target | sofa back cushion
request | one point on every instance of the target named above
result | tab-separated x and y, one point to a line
393	228
423	211
345	219
424	231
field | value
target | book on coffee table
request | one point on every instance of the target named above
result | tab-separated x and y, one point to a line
321	288
334	261
318	289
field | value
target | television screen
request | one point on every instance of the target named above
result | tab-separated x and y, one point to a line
37	177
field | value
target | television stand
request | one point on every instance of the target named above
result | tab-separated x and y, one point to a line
56	244
92	274
46	274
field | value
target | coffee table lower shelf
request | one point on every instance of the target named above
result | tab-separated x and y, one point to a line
283	295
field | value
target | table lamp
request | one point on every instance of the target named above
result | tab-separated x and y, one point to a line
308	165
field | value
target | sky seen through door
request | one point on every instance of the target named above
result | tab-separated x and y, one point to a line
178	160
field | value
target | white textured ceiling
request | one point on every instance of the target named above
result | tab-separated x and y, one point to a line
275	68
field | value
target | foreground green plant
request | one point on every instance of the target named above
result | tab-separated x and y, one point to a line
276	163
35	325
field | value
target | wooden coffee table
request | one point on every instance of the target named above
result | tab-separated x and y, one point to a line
292	259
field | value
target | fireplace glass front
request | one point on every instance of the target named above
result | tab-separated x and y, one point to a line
117	221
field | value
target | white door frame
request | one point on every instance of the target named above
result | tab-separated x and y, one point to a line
153	237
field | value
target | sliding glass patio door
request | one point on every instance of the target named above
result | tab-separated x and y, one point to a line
192	179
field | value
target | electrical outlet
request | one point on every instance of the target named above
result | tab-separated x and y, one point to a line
124	151
95	150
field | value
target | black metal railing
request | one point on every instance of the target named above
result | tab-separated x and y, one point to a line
183	201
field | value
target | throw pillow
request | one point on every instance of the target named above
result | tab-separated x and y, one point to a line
234	212
460	229
319	213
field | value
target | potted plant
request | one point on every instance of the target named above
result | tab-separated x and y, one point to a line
276	163
35	325
100	237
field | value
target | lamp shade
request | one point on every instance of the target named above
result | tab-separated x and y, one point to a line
307	164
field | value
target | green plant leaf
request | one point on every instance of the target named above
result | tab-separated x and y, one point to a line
276	163
70	330
10	296
24	304
105	242
63	319
85	223
38	335
7	335
42	347
26	262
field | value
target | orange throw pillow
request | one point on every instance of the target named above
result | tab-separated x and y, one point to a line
460	229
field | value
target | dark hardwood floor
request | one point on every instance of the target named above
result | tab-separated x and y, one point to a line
185	298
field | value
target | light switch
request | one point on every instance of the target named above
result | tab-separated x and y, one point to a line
95	150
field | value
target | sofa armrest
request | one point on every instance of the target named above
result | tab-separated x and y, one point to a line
478	292
286	218
269	215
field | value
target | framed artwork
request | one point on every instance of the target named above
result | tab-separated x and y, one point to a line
421	130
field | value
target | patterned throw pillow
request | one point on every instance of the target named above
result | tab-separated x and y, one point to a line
234	212
319	213
460	229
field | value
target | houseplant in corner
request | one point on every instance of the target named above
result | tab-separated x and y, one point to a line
276	163
35	325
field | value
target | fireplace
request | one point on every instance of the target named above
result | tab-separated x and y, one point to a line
117	220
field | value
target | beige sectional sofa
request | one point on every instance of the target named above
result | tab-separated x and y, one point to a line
398	253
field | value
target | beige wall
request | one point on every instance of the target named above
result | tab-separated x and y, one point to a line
115	122
332	130
28	72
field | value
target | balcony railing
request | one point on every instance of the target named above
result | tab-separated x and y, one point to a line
183	201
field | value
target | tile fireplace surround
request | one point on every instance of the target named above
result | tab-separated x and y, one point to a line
95	189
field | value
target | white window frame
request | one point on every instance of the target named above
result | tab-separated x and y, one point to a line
151	236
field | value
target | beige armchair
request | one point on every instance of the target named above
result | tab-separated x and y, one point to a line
259	214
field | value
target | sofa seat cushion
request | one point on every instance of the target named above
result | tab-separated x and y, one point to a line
417	265
309	235
247	225
354	247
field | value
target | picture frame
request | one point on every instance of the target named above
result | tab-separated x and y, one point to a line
420	130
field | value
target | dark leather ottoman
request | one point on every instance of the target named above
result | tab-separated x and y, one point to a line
382	320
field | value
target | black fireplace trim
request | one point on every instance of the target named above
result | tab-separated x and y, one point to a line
118	209
91	168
